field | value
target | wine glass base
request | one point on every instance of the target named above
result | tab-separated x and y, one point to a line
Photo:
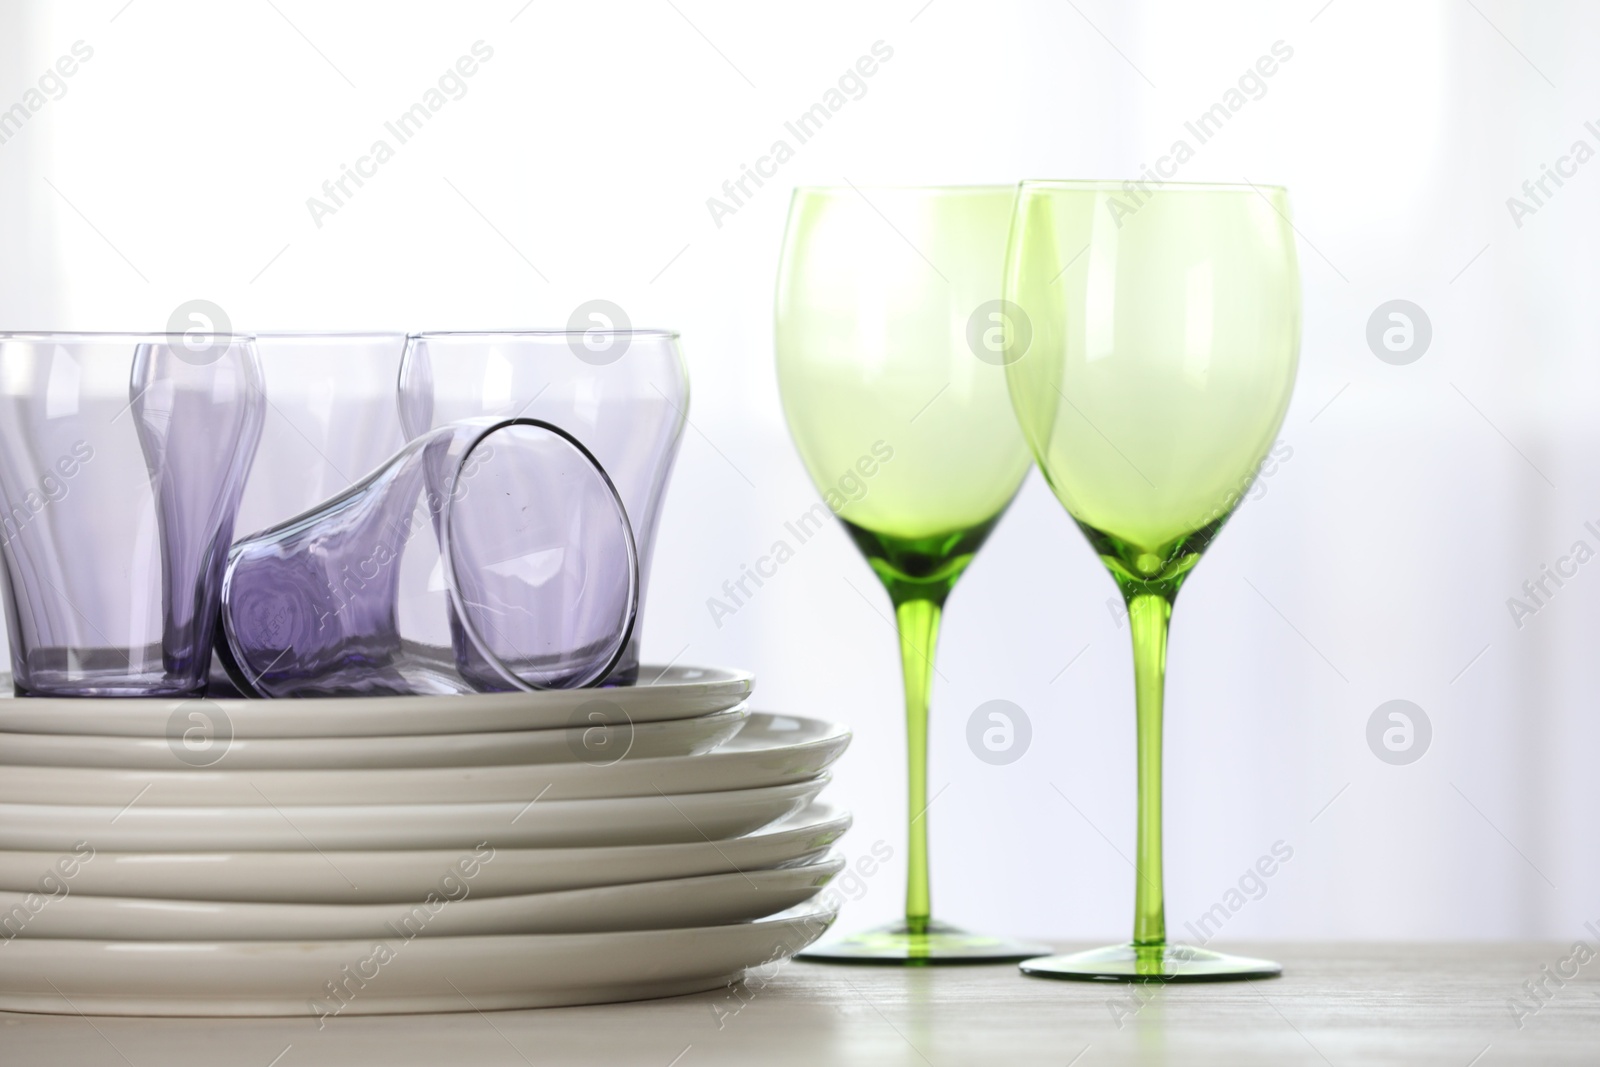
1155	963
941	945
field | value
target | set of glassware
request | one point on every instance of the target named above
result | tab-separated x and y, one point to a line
467	512
448	512
1138	342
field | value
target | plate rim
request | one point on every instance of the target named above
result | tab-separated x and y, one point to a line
797	915
730	676
221	812
722	716
354	716
830	857
744	945
835	814
284	780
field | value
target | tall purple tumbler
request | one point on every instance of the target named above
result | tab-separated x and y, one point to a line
122	460
330	422
624	393
487	555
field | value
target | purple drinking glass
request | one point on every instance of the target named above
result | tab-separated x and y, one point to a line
487	555
624	393
331	420
122	458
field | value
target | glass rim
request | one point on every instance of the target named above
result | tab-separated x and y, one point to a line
115	337
1120	185
332	335
966	187
447	550
632	331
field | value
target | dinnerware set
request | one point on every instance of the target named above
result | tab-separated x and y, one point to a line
429	553
463	791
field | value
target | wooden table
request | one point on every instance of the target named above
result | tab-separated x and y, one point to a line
1338	1004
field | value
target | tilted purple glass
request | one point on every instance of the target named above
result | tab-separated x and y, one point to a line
122	459
487	555
623	393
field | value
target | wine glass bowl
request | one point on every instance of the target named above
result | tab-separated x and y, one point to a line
872	347
1164	333
889	368
1164	351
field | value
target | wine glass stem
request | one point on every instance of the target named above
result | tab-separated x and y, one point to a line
1148	614
918	623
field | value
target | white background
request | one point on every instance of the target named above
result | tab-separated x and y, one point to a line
1376	566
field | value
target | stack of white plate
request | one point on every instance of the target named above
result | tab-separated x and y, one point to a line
367	855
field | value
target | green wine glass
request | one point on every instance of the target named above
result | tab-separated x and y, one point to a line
1165	334
890	345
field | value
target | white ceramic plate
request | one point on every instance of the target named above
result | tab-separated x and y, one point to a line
534	823
322	979
769	750
663	694
448	910
345	877
589	743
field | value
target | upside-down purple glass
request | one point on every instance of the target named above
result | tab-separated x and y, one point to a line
487	555
122	458
624	393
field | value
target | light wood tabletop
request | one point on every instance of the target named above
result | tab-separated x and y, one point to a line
1337	1004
